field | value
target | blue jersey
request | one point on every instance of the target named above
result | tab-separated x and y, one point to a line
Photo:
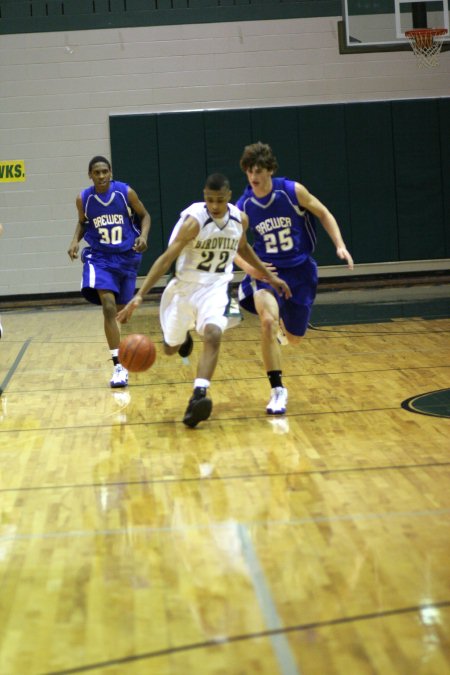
284	233
110	226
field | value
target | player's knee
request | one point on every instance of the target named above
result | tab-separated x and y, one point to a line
109	309
212	335
269	325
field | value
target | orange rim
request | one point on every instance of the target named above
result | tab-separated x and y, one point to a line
426	32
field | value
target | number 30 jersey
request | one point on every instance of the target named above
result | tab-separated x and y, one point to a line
110	224
284	233
210	255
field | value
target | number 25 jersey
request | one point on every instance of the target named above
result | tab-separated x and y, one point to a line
284	233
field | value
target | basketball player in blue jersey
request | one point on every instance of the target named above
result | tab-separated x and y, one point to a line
204	243
114	249
279	214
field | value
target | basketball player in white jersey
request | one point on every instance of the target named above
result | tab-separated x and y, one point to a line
204	243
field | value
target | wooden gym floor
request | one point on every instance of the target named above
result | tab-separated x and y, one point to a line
316	543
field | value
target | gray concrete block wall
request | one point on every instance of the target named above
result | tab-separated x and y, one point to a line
59	89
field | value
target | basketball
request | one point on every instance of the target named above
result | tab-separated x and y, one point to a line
137	352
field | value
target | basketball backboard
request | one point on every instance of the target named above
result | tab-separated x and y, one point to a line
380	25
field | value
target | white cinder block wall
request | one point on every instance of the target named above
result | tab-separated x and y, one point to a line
58	90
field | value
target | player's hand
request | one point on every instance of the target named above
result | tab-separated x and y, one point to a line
73	250
343	254
126	312
140	245
280	286
270	268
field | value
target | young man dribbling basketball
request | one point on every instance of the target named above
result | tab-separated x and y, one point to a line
204	243
114	252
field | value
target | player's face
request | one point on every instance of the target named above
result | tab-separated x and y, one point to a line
101	176
260	180
217	201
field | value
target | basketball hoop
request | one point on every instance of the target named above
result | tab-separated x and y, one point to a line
426	44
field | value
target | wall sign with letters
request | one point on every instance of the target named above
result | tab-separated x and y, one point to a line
12	171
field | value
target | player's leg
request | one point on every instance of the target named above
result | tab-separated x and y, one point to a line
200	405
267	308
100	284
121	272
212	337
294	318
295	313
177	318
110	324
112	332
211	320
268	311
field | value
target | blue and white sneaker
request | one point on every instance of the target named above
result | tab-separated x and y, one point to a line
278	401
119	377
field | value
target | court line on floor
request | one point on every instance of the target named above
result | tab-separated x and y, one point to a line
145	529
313	625
14	366
280	644
226	380
211	421
243	476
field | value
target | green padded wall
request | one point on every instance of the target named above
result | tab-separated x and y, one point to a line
324	170
444	127
135	160
182	161
279	128
382	168
418	179
371	176
226	133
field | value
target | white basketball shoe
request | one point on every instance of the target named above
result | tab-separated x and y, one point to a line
278	401
119	377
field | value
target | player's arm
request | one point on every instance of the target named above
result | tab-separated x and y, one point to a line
252	271
188	231
244	265
79	231
138	207
327	220
248	255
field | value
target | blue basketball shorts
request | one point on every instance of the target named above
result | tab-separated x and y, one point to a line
114	272
295	311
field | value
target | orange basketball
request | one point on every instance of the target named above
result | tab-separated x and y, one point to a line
137	352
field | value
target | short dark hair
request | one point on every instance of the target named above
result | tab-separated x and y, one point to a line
258	154
96	159
217	181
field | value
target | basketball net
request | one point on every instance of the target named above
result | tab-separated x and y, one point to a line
426	44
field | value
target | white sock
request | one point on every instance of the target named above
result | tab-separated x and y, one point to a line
200	382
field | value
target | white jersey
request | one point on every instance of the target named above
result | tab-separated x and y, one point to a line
209	257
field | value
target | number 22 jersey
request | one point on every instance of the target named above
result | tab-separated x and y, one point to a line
209	257
284	233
